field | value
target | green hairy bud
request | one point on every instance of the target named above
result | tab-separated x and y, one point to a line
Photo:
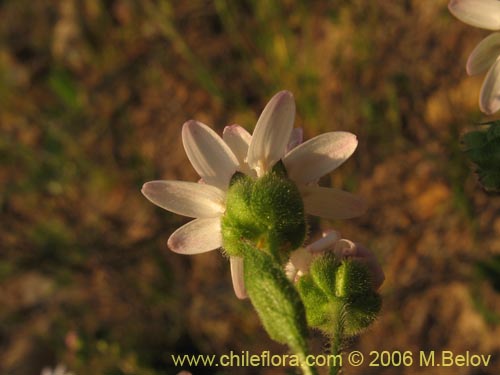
267	213
336	291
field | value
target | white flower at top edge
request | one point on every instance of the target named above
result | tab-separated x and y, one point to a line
216	161
483	14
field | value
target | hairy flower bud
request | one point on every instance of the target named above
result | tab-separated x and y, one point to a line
336	291
267	212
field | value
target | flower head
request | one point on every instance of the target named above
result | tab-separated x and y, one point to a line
217	160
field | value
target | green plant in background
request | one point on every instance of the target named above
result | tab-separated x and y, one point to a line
252	201
483	149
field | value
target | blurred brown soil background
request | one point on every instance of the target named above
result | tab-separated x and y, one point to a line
93	95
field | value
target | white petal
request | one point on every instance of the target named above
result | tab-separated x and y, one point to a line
238	140
484	55
331	203
237	277
186	198
319	156
272	132
325	243
209	155
296	138
197	236
479	13
489	99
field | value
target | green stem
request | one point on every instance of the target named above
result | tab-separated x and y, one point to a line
306	370
337	340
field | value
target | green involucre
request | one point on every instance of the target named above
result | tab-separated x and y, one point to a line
268	212
336	291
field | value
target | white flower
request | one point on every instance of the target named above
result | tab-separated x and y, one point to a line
216	161
59	370
486	56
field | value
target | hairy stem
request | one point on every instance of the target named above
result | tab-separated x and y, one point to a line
337	341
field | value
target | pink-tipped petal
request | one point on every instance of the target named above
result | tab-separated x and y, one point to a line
186	198
272	133
319	156
489	98
331	203
484	14
484	55
210	156
296	138
197	236
237	277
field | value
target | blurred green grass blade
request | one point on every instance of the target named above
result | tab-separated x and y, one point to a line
490	270
64	86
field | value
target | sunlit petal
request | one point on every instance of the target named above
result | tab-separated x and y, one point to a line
331	203
484	55
197	236
272	132
237	277
319	156
186	198
210	156
479	13
489	99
